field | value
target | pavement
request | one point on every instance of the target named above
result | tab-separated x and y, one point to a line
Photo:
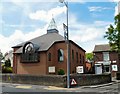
28	86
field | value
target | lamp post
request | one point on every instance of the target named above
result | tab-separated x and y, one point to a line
68	48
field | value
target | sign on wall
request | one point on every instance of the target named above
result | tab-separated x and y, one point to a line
80	69
114	68
51	69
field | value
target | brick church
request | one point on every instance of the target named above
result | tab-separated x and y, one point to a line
47	54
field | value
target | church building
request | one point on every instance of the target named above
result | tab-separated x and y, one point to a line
47	54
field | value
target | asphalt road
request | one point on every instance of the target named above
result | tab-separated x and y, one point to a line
8	88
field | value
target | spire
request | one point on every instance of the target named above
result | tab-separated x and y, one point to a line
52	28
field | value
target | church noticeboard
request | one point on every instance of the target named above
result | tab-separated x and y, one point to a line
79	69
51	69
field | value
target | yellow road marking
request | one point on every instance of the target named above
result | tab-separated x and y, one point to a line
55	88
24	87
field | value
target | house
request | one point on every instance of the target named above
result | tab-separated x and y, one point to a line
47	54
88	68
106	60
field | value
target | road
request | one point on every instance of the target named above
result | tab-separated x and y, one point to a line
8	88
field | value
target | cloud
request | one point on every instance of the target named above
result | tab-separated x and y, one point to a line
117	8
81	1
94	8
20	25
18	37
88	35
114	0
101	23
47	15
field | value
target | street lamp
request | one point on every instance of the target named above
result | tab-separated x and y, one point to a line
68	48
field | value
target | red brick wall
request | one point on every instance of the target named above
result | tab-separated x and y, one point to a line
99	56
74	62
32	68
15	60
54	57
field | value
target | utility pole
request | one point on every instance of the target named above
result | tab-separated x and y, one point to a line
68	45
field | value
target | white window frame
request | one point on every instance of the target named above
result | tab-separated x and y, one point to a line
60	58
106	56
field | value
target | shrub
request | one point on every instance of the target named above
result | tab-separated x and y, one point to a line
6	69
61	72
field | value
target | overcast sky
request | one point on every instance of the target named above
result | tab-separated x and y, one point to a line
22	20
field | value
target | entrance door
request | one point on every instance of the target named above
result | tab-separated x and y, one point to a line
98	69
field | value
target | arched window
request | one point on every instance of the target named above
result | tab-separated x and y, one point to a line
60	55
29	48
30	53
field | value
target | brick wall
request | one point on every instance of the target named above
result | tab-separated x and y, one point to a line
57	80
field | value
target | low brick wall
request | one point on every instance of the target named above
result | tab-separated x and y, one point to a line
92	79
57	80
50	80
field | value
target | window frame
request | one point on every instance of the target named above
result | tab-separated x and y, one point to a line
49	56
106	56
60	55
76	57
80	59
72	55
29	57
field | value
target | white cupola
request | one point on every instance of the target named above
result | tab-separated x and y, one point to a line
52	28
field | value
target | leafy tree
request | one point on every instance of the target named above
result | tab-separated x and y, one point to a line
6	68
89	56
113	35
7	63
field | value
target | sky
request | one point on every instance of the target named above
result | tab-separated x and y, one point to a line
22	20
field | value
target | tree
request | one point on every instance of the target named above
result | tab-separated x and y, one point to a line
7	63
113	35
89	56
6	68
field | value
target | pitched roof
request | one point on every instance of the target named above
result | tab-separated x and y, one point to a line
101	48
44	42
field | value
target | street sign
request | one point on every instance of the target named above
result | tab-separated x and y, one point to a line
73	82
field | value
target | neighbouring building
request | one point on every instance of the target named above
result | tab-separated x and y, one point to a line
88	67
106	60
47	54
